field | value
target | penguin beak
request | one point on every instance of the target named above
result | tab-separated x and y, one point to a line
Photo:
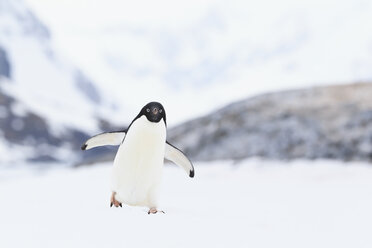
155	111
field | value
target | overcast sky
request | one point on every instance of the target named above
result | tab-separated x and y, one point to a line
214	52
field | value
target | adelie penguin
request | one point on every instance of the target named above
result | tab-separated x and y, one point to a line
137	171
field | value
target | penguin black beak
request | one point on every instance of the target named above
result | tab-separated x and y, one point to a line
155	111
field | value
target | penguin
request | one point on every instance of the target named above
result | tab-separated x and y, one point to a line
137	170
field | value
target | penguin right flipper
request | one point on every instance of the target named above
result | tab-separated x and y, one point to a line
175	155
104	139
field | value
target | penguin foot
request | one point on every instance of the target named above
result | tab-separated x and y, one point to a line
154	211
114	201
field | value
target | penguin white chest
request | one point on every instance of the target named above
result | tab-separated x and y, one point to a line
138	164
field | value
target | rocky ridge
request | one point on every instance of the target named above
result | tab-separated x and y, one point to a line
325	122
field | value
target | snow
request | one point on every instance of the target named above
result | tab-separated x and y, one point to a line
42	80
254	203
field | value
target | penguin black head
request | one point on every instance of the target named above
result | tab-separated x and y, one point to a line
154	112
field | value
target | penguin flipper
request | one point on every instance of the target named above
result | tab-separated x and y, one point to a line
175	155
104	139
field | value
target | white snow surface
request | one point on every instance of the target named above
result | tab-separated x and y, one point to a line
251	204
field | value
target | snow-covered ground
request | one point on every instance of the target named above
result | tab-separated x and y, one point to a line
250	204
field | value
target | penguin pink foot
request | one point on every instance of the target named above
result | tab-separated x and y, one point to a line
114	201
154	211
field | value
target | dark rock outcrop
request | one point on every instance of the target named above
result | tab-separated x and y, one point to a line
4	64
33	132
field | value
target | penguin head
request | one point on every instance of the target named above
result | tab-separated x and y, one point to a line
154	112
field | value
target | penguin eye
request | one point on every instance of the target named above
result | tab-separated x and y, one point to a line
160	110
148	110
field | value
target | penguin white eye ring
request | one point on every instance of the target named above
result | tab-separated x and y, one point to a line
138	164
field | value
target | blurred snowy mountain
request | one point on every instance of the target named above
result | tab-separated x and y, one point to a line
47	105
332	122
197	56
68	80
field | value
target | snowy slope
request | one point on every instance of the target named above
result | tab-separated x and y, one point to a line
252	204
47	105
40	80
211	52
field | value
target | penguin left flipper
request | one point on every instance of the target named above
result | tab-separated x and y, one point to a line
175	155
104	139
